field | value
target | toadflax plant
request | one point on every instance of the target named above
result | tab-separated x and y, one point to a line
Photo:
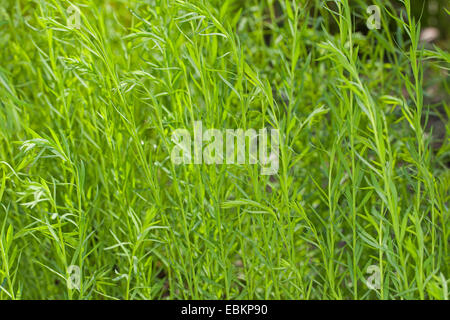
93	206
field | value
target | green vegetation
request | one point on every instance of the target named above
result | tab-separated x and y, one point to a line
86	180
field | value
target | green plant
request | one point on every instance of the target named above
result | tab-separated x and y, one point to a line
86	117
